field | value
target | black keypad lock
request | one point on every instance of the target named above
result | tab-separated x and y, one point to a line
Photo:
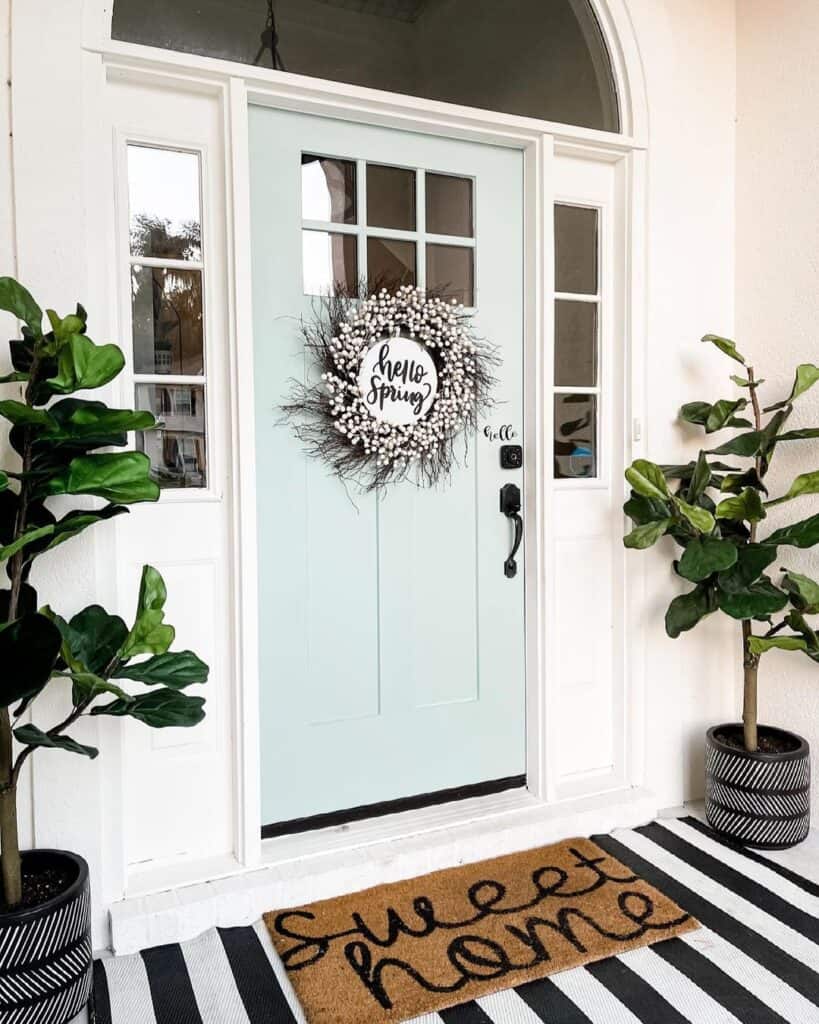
511	456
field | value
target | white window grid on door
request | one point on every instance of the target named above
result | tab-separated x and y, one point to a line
420	236
600	387
190	492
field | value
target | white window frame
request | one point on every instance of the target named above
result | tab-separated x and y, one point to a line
238	86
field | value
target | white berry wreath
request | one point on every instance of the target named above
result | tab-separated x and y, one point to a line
401	376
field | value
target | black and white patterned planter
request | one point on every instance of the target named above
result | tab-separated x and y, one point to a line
45	952
758	799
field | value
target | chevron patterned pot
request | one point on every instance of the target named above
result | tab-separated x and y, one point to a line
758	799
45	951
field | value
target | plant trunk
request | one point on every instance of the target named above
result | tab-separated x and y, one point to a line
9	842
750	664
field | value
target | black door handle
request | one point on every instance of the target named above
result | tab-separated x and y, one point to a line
510	506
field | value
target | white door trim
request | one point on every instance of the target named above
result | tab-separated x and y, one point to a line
238	85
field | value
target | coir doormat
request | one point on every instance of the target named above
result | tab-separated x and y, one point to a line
397	951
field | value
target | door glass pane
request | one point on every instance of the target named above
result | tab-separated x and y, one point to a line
449	205
575	344
166	309
390	197
328	189
390	263
163	202
451	272
330	262
575	436
576	250
177	448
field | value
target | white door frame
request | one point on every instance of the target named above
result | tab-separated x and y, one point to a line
238	86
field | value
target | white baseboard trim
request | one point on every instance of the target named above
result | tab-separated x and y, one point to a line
174	912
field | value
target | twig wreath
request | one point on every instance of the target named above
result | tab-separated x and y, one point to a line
402	377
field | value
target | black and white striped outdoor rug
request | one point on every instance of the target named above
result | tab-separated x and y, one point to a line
755	960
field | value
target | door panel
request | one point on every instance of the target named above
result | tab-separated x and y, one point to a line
392	644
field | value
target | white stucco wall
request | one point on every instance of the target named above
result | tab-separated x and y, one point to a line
777	281
688	53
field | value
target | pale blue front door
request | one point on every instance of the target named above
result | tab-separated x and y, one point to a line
391	642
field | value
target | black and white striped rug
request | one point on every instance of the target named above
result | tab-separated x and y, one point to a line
755	960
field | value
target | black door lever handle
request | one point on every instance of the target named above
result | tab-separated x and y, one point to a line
510	507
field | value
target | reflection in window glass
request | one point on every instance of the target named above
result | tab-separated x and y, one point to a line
575	344
328	189
451	272
576	250
575	436
390	197
330	263
167	320
164	203
177	449
449	205
390	263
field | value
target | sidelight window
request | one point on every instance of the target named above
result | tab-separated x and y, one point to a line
167	310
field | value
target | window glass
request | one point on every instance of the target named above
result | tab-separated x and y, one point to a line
390	197
390	263
575	436
330	262
575	343
328	189
537	58
451	272
178	449
449	205
167	320
164	203
575	249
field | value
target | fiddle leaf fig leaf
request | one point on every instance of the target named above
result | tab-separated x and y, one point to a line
805	483
74	523
806	376
722	415
29	647
15	299
746	506
645	536
31	736
174	669
743	444
24	415
695	412
647	479
642	510
87	686
804	534
805	434
803	591
159	709
93	423
149	634
687	610
81	364
725	345
761	644
704	556
700	478
700	518
743	382
758	600
95	638
29	537
752	561
733	483
121	477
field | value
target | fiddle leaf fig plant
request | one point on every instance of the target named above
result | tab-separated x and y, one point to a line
715	511
65	447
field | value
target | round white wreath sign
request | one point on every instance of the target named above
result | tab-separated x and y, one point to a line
398	380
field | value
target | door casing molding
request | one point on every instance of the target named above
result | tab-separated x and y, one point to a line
237	86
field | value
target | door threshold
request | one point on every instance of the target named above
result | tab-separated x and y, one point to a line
177	902
385	807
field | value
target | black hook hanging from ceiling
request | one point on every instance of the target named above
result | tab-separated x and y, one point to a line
270	40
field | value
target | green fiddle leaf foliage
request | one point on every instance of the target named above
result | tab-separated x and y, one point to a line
73	523
87	423
704	556
120	477
31	736
804	534
95	639
745	445
83	365
725	345
646	535
687	610
26	602
642	510
647	479
721	415
24	415
4	481
805	483
746	506
752	561
796	620
174	669
149	634
743	382
733	483
806	376
64	327
29	537
756	601
805	434
86	686
29	647
159	709
700	479
695	412
803	591
684	473
15	299
760	644
700	518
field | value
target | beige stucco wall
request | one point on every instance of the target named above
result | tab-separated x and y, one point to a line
777	280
